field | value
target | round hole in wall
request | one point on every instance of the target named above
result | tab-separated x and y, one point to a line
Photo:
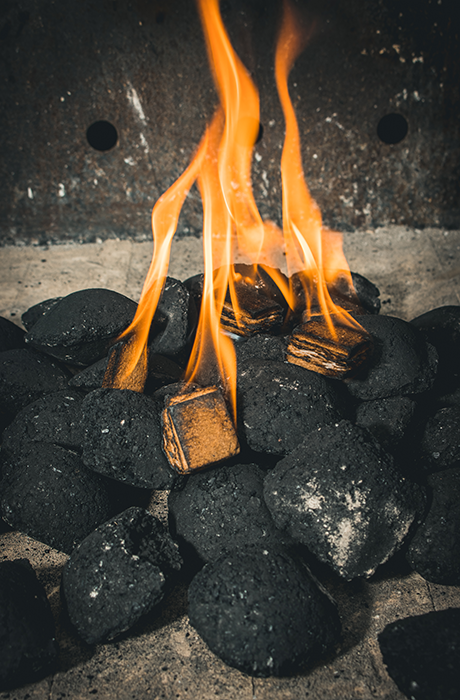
392	128
102	135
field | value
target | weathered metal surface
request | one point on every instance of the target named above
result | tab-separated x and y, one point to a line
142	66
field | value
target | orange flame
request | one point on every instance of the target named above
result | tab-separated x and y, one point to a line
231	221
309	247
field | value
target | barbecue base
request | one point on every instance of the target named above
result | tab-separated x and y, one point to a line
164	657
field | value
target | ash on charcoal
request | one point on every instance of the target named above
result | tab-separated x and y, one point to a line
441	328
123	438
25	376
28	648
198	430
221	510
422	654
173	321
340	494
313	347
81	327
118	573
389	420
434	551
30	317
259	611
279	403
440	443
11	336
49	494
55	418
402	363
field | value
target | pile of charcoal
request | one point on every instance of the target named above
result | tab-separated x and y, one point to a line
344	471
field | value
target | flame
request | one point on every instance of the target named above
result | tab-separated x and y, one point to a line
232	225
309	246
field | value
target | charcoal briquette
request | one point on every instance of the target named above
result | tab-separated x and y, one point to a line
120	572
11	336
25	376
80	328
261	347
422	654
340	494
222	509
123	438
55	419
28	647
434	551
49	494
441	328
440	442
173	321
30	317
389	420
279	403
402	362
260	612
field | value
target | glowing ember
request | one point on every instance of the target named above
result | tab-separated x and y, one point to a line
232	224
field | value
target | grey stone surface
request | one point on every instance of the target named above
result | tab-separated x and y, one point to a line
415	271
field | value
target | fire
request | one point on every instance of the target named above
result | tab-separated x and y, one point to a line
232	224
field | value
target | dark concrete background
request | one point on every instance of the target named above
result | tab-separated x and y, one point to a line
142	66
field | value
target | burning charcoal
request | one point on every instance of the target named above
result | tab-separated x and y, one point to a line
28	648
340	495
198	430
123	436
440	444
280	403
174	318
261	612
25	376
261	347
81	327
441	328
161	371
48	493
402	362
389	420
55	419
434	551
364	292
221	510
361	298
422	653
313	347
30	317
11	336
118	573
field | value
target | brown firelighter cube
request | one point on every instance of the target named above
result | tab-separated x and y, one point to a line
258	313
198	430
312	346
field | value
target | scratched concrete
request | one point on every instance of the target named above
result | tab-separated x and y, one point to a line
164	657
